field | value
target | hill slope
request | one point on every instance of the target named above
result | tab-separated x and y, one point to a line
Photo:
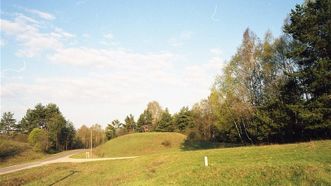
141	144
290	164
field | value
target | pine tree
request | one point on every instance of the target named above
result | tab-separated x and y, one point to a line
310	27
8	123
165	124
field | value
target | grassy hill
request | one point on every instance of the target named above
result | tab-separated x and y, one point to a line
290	164
14	152
140	144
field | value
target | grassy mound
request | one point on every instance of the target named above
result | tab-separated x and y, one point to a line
141	144
291	164
14	152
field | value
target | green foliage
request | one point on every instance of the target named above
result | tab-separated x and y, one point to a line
145	121
110	130
278	90
38	138
130	123
166	123
309	27
8	123
10	148
60	132
183	120
34	118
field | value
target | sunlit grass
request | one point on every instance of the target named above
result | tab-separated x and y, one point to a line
291	164
139	144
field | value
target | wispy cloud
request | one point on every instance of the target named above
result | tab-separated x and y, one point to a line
112	58
213	16
123	78
41	14
29	36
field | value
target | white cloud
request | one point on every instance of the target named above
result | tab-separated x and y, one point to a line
29	36
118	82
203	75
43	15
112	58
180	39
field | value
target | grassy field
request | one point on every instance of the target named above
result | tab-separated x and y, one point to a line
14	152
291	164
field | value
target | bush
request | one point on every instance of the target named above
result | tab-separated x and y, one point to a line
38	138
10	148
166	143
193	135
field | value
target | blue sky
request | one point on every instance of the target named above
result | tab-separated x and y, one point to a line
101	60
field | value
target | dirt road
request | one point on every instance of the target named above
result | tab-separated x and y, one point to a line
63	157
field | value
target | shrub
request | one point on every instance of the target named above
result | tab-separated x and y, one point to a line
10	148
166	143
38	138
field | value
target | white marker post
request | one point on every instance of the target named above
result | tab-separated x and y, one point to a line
91	143
206	161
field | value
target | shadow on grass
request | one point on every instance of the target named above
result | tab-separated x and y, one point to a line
188	145
72	172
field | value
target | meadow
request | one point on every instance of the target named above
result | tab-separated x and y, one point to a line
162	161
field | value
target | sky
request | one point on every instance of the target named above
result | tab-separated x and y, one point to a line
100	60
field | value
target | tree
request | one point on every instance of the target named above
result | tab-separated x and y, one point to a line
130	124
110	130
156	111
38	138
60	132
34	118
55	126
8	123
68	135
183	119
83	133
309	27
240	90
145	121
98	134
204	120
116	124
165	123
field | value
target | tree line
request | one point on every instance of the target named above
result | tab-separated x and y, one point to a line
47	130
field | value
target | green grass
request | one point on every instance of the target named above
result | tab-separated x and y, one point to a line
290	164
139	144
14	152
